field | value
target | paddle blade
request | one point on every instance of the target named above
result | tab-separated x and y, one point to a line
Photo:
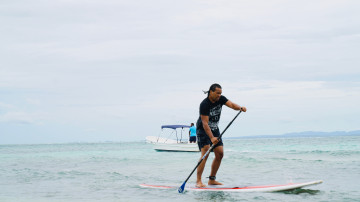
182	188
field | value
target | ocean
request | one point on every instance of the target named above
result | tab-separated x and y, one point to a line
113	171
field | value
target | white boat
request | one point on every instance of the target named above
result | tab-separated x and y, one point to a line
166	140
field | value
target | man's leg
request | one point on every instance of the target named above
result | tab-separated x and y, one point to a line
200	168
219	153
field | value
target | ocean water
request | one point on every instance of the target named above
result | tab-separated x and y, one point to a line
113	171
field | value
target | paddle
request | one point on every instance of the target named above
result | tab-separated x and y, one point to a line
182	187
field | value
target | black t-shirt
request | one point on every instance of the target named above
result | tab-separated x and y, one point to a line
213	110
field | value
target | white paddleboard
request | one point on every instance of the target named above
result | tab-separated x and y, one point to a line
224	188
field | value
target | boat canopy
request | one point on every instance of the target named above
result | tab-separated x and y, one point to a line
175	126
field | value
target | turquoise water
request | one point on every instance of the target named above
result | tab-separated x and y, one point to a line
113	171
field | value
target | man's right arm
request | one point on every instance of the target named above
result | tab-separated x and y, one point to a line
205	123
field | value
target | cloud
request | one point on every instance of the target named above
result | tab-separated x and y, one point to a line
5	106
20	118
120	64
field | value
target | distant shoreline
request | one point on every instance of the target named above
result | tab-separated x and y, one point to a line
303	134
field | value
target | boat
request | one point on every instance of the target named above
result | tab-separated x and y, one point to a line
170	140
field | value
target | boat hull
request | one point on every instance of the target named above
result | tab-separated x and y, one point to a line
180	147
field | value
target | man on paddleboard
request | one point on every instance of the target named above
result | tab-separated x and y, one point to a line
207	130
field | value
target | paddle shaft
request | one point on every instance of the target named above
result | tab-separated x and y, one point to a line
211	148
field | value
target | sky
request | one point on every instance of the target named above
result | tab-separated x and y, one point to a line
115	70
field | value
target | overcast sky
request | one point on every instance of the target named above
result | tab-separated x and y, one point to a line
114	70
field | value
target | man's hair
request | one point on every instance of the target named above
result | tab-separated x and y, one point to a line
212	88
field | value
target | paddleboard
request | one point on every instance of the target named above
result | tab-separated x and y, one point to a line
224	188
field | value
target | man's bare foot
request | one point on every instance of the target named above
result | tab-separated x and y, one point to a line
200	184
214	182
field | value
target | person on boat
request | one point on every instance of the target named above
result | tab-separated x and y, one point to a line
192	133
208	131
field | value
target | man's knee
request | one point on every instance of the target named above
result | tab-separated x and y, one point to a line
219	154
204	150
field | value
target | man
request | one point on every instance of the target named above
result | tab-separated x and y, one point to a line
208	131
192	133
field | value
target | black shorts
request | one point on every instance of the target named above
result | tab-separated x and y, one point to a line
192	139
203	139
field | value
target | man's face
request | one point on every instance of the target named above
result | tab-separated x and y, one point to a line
215	95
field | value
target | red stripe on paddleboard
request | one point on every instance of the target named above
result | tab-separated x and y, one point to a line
267	186
252	187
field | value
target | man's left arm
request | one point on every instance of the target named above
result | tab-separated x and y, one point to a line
235	106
